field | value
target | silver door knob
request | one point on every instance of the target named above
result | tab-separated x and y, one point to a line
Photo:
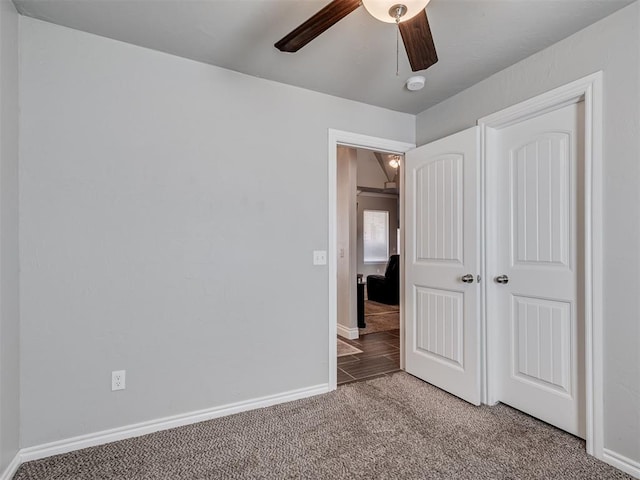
503	279
468	278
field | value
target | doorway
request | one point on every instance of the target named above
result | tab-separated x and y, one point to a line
380	145
368	231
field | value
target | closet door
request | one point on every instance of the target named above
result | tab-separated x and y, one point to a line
539	282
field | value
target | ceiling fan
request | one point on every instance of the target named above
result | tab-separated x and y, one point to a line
409	15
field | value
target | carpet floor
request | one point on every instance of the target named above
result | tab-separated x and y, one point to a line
393	427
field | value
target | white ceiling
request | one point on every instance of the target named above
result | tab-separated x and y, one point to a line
355	59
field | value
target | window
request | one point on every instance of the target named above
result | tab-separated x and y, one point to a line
375	234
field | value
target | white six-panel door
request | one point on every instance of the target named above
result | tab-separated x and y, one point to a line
442	242
538	281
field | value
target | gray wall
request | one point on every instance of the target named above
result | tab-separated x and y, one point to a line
367	202
610	45
157	236
346	241
9	297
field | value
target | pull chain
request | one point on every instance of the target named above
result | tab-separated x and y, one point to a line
397	46
397	11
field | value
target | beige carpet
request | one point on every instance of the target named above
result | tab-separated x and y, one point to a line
375	308
379	317
393	427
381	322
345	349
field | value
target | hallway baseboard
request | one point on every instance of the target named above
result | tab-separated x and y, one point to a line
348	333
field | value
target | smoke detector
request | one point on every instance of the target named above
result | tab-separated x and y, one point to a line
415	83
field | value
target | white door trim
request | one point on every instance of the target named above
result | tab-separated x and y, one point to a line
589	90
339	137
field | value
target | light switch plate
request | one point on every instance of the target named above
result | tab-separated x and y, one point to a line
319	257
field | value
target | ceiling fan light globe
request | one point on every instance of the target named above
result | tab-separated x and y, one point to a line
379	9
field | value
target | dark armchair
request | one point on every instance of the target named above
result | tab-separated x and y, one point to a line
386	288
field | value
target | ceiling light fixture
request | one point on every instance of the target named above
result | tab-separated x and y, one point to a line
389	11
395	161
394	11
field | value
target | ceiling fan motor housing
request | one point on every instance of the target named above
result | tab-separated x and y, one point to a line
386	10
398	11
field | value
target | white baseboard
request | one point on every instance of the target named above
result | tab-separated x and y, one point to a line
12	468
143	428
348	333
621	462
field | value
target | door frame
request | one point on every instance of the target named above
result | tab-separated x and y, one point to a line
348	139
589	90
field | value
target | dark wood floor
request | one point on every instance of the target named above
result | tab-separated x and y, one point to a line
380	356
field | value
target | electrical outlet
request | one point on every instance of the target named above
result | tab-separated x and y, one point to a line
118	378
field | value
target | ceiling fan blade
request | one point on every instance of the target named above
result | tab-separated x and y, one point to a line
418	42
320	22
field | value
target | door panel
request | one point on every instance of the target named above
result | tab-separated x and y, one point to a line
442	242
541	196
439	209
440	333
541	324
541	342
